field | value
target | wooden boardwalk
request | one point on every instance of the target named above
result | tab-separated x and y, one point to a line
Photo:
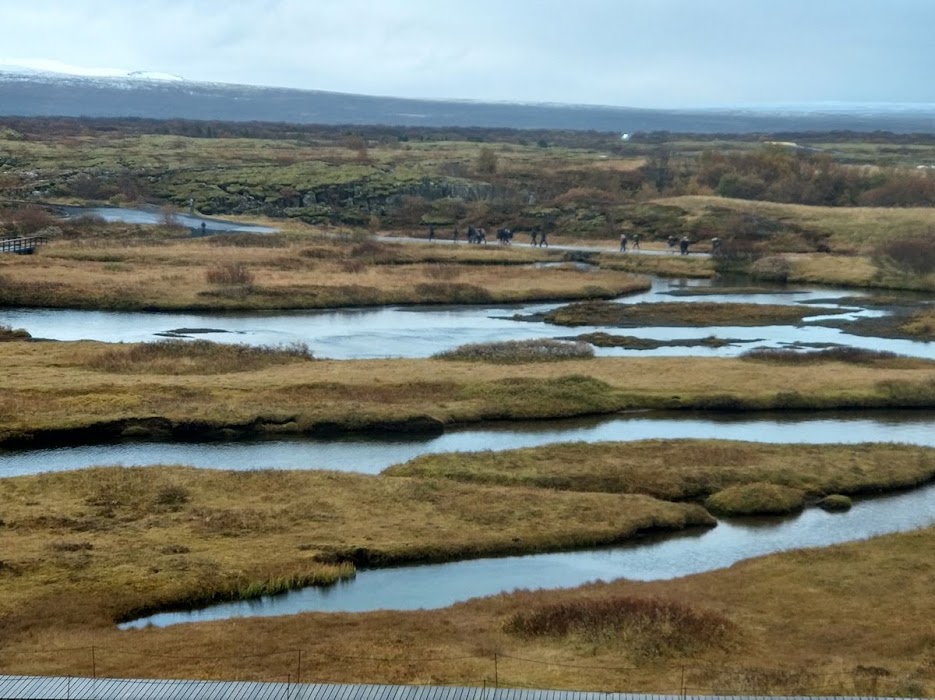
70	688
23	245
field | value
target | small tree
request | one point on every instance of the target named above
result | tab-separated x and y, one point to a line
486	161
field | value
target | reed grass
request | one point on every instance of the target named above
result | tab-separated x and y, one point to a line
519	351
880	358
647	629
178	357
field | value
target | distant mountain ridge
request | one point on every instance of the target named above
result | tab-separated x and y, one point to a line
163	96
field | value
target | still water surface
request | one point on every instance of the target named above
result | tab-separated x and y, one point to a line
421	331
372	455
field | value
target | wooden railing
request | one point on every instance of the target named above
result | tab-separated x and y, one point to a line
23	245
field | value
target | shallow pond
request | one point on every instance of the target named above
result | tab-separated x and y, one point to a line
372	455
440	585
421	331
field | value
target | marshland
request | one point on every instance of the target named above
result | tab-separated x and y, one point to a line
347	329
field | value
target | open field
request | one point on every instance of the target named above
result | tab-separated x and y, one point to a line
65	386
102	542
851	229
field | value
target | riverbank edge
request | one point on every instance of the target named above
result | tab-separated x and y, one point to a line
164	429
363	558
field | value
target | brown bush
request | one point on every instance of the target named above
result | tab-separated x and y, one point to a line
584	195
230	274
443	272
30	219
648	627
911	253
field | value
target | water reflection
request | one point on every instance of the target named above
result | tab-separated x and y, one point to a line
371	455
418	332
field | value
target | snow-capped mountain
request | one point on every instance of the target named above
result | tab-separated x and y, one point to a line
37	90
58	71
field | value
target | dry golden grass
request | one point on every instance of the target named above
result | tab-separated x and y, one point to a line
54	385
805	622
851	271
663	265
194	357
90	547
686	469
186	275
920	324
852	229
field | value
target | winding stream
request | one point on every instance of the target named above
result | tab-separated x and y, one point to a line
372	455
417	332
440	585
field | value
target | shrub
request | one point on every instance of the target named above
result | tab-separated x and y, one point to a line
758	498
86	221
250	240
443	272
72	546
30	219
173	496
836	502
452	292
517	351
648	627
486	162
10	333
195	357
370	251
740	186
772	269
837	354
234	273
584	195
915	254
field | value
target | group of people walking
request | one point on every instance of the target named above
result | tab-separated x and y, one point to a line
635	240
478	235
538	237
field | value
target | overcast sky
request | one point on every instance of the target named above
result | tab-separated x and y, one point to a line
650	53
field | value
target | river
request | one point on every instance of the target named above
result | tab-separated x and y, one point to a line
371	455
421	331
